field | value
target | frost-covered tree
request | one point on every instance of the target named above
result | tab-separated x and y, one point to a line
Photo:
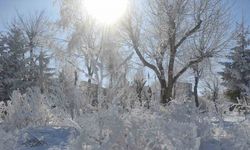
200	72
93	49
45	72
13	61
83	42
197	70
35	31
161	32
23	60
236	74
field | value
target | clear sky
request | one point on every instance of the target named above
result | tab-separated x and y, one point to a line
8	9
241	7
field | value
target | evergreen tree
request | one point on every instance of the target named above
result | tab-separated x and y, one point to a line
45	72
236	74
13	61
16	69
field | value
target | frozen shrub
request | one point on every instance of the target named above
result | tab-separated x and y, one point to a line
138	128
27	109
3	110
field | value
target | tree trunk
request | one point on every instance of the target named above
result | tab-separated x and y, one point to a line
139	97
169	94
163	98
76	78
31	52
170	77
32	63
90	74
41	73
111	81
215	105
196	82
215	97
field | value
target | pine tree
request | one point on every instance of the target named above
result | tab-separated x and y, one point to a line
45	72
15	69
13	61
34	30
236	74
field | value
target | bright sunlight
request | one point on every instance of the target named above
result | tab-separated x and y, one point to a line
106	11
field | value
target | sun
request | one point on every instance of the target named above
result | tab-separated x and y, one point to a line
106	11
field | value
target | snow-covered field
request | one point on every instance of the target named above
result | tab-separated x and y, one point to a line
175	127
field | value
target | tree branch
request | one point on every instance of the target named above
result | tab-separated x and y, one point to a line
198	60
137	50
145	63
189	33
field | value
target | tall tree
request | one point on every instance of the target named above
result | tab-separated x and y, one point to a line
95	46
45	72
236	74
37	36
33	29
212	89
197	74
23	62
204	71
13	62
162	33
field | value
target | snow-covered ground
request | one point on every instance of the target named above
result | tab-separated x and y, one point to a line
229	135
177	126
42	138
222	135
39	138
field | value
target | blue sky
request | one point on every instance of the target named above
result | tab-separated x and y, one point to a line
8	9
241	7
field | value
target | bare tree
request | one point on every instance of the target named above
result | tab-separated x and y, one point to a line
165	31
200	70
197	74
213	88
35	29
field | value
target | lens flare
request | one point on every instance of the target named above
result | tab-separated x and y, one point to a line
106	11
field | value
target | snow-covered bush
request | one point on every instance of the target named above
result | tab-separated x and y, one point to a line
137	128
65	101
124	123
124	97
27	109
36	109
180	125
3	110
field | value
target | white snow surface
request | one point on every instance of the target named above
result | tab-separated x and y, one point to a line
46	138
178	126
